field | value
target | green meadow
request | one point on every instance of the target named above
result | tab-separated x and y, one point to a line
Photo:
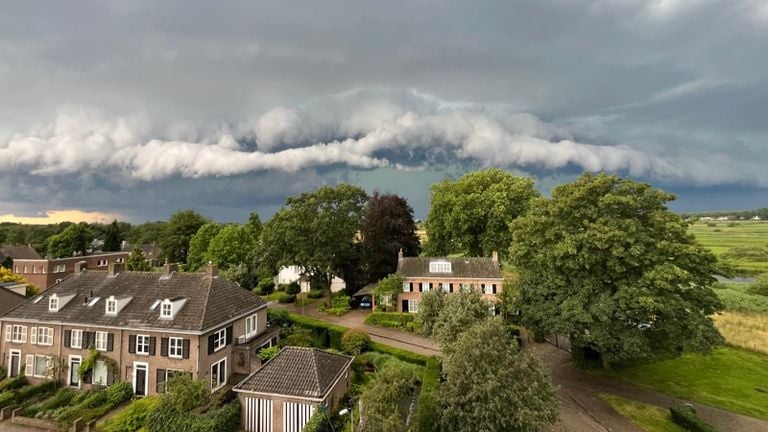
724	236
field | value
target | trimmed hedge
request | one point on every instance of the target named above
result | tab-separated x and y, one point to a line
429	414
685	416
287	298
316	294
406	356
391	319
167	419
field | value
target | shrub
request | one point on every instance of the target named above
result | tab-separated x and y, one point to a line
320	422
62	398
3	372
299	338
760	286
168	419
281	287
267	353
278	317
355	341
293	288
391	319
747	253
95	404
185	394
132	418
428	414
329	333
266	286
316	294
406	356
287	298
685	416
13	383
711	224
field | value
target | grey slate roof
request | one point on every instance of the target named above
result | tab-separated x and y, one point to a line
18	252
467	267
298	372
210	301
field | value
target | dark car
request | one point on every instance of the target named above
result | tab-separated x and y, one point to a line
366	303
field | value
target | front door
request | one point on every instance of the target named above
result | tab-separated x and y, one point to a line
405	306
15	363
140	379
74	374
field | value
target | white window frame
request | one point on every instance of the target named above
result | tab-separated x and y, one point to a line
143	342
440	267
58	280
175	347
101	341
78	360
252	322
45	336
413	306
220	382
78	338
48	366
18	333
446	287
220	339
166	309
487	288
53	304
406	287
103	369
102	263
425	287
111	306
60	268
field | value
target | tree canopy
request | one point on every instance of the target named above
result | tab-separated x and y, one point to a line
137	261
75	239
459	312
388	227
198	245
178	232
233	245
113	237
491	386
606	263
471	215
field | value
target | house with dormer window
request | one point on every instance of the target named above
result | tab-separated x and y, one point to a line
450	275
151	325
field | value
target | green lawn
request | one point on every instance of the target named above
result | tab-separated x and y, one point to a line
648	418
730	378
736	298
722	237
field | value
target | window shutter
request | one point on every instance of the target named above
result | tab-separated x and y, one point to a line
210	344
160	380
430	286
152	343
185	348
8	331
410	286
493	288
163	347
110	376
67	338
86	343
229	335
110	342
33	336
450	287
30	366
132	344
23	334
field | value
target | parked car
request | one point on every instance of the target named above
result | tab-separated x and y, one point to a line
366	303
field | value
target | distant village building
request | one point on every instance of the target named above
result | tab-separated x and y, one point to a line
10	253
44	273
152	253
294	273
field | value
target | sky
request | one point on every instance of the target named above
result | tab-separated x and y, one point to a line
135	109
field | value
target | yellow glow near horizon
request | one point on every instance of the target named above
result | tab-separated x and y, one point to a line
57	216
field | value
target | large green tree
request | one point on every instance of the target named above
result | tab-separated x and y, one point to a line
137	261
198	245
459	312
605	262
491	386
113	237
388	227
471	215
312	229
75	239
233	245
178	232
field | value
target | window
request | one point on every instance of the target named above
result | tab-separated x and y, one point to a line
53	304
219	374
466	287
60	268
220	339
119	260
487	288
100	372
34	269
19	333
58	280
446	287
425	287
142	344
25	269
42	366
413	306
102	263
166	310
111	306
45	336
76	340
175	347
406	287
440	267
17	270
43	269
492	308
251	326
101	341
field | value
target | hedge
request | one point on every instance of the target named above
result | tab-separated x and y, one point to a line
97	403
286	298
23	394
132	418
428	414
685	416
166	419
13	383
406	356
390	319
316	294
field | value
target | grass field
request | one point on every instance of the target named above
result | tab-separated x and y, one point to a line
646	417
729	378
746	330
722	237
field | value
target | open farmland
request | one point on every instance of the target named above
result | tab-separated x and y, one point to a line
727	235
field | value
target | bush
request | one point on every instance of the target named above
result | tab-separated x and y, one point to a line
13	383
286	298
185	394
685	416
355	341
266	286
132	418
278	317
429	414
391	319
62	398
316	294
3	372
747	253
95	404
320	422
760	286
268	353
406	356
299	339
711	224
168	419
293	288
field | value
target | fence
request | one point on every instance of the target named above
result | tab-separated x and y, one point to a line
559	341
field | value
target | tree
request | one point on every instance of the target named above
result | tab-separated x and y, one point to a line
471	215
137	261
254	225
178	232
606	263
429	310
7	275
388	227
312	229
461	311
243	275
381	407
113	237
760	286
491	386
387	289
233	245
75	239
198	246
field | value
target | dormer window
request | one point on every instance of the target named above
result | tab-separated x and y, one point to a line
53	304
111	306
166	310
169	308
440	267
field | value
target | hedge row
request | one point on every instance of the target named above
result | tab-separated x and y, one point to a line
391	319
429	414
96	404
167	419
23	394
332	334
685	416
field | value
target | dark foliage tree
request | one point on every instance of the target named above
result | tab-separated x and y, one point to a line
137	261
606	263
198	246
113	237
75	239
388	227
178	232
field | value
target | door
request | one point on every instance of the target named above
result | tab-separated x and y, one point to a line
258	415
74	375
296	416
405	306
15	363
140	378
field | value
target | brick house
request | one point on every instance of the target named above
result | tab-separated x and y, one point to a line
150	325
8	253
44	273
423	274
290	388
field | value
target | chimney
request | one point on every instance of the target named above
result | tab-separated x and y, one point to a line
495	256
115	269
212	270
400	254
169	268
80	266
